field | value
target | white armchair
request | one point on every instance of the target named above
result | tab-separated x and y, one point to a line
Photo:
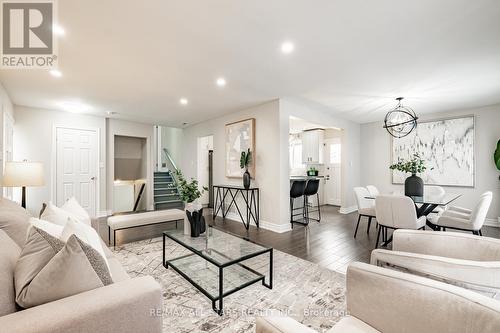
383	300
463	219
396	212
465	260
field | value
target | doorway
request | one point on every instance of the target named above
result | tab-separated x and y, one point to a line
333	171
77	167
204	167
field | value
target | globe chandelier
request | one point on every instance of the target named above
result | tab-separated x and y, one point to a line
401	121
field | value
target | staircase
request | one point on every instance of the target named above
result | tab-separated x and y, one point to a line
166	195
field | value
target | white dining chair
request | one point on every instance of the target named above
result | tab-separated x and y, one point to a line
366	207
373	190
396	212
464	219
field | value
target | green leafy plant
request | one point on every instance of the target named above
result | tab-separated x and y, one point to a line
496	155
245	159
414	165
189	190
313	169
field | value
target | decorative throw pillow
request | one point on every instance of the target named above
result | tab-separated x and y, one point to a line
52	229
85	233
72	206
48	269
14	220
56	215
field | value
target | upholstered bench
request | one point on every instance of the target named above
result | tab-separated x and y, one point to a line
128	221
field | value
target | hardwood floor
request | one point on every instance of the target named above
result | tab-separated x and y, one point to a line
329	243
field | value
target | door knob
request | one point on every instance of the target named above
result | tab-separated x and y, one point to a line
92	178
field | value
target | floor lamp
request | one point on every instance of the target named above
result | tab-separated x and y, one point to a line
22	174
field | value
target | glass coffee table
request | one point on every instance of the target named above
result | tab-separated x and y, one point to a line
216	265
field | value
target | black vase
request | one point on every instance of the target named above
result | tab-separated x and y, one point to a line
414	186
246	179
197	222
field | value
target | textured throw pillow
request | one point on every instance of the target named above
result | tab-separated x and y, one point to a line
14	220
72	206
48	269
52	229
85	233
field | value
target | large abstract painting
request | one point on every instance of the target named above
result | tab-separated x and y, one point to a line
239	137
446	145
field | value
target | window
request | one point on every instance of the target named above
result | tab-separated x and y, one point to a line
335	156
296	154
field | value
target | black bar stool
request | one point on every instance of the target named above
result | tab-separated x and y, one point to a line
296	191
311	189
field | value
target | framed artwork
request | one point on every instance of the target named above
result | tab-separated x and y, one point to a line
447	146
239	137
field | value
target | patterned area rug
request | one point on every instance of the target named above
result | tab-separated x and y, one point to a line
302	290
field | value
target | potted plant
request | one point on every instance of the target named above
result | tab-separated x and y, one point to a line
194	223
245	160
414	185
312	171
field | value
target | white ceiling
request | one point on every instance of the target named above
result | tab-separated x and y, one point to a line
138	58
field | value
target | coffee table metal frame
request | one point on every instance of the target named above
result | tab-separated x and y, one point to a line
219	299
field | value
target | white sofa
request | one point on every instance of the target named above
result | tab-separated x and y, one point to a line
461	259
388	301
127	305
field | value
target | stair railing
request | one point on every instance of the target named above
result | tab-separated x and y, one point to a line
174	168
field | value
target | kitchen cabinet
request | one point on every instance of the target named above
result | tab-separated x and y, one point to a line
312	146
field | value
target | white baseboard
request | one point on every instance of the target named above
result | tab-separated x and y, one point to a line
348	210
492	222
279	228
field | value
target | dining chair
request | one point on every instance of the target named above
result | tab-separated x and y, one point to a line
464	219
296	191
366	207
373	190
396	212
435	191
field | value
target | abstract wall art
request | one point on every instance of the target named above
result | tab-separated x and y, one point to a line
239	137
446	145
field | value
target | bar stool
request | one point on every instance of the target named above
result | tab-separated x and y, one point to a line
296	191
311	189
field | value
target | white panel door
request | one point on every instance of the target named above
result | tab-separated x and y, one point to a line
333	172
76	167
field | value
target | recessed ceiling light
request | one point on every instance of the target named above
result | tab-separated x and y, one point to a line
55	73
75	107
183	101
58	30
221	82
287	47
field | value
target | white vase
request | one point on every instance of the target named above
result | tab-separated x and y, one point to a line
190	207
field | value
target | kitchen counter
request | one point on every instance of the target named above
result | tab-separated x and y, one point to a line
292	178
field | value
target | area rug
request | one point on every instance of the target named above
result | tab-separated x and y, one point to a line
313	295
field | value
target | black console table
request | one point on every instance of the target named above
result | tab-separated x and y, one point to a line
250	198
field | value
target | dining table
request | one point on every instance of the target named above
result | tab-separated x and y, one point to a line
427	203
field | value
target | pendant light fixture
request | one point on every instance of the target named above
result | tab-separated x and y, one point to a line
401	121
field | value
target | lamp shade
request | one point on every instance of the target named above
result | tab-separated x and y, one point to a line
23	174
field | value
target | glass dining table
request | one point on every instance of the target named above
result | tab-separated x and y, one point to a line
427	203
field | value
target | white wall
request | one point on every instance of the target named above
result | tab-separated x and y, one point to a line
376	155
33	140
171	138
6	137
267	156
318	114
131	129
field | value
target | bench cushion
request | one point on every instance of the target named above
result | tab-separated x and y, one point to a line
140	219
